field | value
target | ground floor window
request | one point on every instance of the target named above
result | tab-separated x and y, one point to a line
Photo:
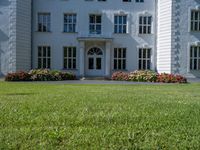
144	59
69	57
44	57
119	58
195	58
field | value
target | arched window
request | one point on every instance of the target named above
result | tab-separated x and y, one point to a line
95	51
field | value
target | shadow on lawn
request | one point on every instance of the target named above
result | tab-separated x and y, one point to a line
19	94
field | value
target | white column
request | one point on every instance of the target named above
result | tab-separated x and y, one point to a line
108	62
82	59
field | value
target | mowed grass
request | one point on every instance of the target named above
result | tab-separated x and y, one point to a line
50	116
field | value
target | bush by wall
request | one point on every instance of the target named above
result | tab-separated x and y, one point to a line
148	76
18	76
170	78
143	76
40	75
120	76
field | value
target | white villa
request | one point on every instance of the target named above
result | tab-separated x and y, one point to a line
98	37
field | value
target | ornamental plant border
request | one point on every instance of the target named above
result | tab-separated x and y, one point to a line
40	75
148	76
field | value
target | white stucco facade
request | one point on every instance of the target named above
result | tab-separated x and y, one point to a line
169	41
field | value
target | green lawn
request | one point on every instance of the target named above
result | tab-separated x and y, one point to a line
46	116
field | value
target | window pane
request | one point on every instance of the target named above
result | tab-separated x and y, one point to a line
39	63
115	64
74	63
65	64
98	63
91	63
119	64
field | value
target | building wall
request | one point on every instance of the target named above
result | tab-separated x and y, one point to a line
5	54
57	39
15	35
23	34
183	38
164	36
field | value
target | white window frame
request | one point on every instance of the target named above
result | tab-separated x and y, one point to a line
144	59
122	59
143	25
46	22
95	24
193	58
71	58
42	57
122	25
70	23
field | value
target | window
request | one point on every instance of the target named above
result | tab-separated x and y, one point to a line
195	58
144	59
44	22
95	24
195	20
139	1
44	57
120	24
120	58
145	24
70	23
69	57
126	0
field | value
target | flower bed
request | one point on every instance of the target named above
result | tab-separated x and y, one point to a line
148	76
40	75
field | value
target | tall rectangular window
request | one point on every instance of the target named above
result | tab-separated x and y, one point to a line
70	23
44	57
120	58
120	24
44	22
69	57
95	24
195	58
195	20
144	59
145	24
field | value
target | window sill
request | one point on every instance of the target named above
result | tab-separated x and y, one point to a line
69	69
70	32
116	70
120	33
145	34
43	32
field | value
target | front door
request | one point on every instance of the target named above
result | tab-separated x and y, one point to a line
95	62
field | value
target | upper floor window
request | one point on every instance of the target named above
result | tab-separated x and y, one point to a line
120	24
139	1
195	58
195	20
145	24
44	22
70	23
95	24
144	59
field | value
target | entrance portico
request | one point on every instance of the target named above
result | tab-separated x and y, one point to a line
95	57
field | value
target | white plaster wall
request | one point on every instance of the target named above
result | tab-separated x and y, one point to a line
57	39
164	36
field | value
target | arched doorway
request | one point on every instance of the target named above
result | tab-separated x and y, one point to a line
95	62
